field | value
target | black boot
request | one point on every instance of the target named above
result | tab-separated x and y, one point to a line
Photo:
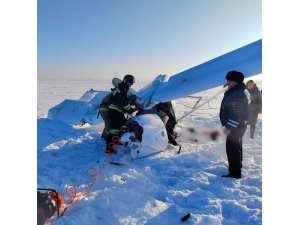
233	175
109	151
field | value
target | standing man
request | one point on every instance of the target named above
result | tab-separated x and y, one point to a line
119	105
234	113
255	105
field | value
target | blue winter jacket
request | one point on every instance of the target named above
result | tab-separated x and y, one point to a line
235	107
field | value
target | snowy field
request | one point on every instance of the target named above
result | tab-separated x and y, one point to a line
156	190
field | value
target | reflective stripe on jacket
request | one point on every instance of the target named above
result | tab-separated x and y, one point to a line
235	107
119	100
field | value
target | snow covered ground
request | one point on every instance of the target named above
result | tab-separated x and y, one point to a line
156	190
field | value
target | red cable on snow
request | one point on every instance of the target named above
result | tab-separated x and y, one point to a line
74	194
91	172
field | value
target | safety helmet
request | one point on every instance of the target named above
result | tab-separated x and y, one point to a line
129	79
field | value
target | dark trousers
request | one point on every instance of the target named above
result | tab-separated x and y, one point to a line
252	122
234	149
252	131
116	121
104	116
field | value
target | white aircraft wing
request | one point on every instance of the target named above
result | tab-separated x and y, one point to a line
247	59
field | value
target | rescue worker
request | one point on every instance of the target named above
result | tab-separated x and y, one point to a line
256	105
234	113
119	105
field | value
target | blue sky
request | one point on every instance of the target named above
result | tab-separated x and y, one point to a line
93	39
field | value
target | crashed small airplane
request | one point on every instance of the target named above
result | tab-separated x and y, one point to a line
148	134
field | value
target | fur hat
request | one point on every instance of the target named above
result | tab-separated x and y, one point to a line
235	76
